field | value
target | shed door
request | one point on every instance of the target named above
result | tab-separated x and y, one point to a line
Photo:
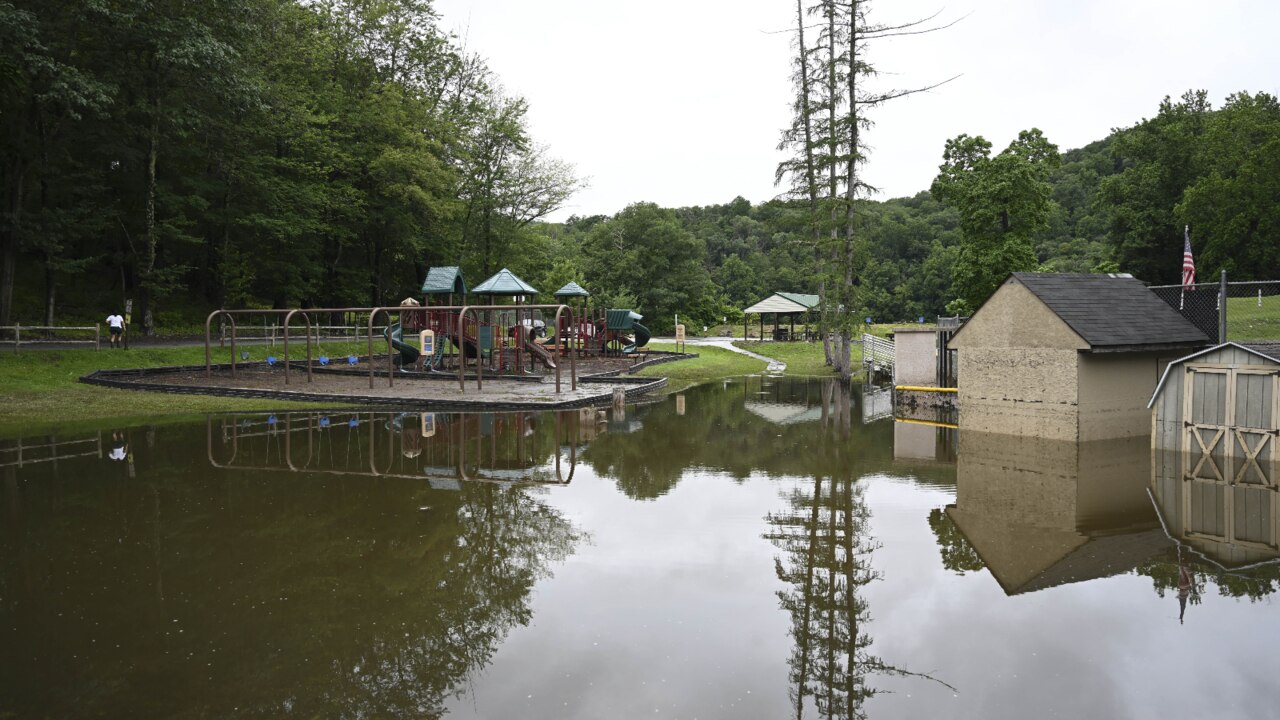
1230	453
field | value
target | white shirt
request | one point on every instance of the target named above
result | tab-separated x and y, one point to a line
115	321
117	453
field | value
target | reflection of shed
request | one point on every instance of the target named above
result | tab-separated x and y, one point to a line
1234	524
1042	513
1215	420
1067	356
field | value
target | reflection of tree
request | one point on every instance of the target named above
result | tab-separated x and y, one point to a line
826	544
301	594
1255	583
718	433
957	554
826	561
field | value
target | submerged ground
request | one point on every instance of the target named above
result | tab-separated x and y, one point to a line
758	547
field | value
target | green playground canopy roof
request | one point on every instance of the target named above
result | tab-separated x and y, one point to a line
504	282
573	289
444	281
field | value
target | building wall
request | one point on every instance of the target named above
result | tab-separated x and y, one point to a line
915	356
1114	391
1019	369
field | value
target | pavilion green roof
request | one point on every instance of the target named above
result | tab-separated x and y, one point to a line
809	301
573	289
444	281
504	282
783	302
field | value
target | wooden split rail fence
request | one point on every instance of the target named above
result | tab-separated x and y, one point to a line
13	334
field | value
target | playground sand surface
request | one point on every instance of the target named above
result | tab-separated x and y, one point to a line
438	392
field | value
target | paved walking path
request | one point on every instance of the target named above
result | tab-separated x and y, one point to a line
776	367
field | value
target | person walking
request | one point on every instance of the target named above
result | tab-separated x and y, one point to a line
115	324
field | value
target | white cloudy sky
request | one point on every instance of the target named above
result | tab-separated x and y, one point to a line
680	102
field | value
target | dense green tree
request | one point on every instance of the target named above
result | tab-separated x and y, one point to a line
1233	208
1003	202
1158	157
644	252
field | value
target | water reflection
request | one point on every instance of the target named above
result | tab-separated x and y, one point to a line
443	448
750	548
825	537
1041	513
337	589
1223	516
764	425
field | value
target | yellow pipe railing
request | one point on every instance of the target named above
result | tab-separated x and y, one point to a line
930	423
921	388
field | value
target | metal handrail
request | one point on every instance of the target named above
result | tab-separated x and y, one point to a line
231	315
462	364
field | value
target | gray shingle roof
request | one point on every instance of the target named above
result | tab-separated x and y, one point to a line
1112	313
1270	349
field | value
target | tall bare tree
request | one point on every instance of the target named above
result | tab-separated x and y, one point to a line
833	96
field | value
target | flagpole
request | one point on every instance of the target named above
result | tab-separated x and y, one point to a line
1186	251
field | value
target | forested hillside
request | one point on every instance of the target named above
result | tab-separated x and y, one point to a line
248	152
1116	205
324	153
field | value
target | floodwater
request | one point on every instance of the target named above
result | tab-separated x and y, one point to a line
762	548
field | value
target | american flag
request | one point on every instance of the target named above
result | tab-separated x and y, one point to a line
1188	262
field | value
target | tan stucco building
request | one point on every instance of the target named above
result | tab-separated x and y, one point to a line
1067	356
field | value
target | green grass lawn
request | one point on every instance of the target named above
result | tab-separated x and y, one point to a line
712	363
1247	321
39	389
802	358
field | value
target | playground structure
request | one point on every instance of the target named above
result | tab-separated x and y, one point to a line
443	336
519	328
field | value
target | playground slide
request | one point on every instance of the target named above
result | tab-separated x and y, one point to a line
408	353
541	353
641	337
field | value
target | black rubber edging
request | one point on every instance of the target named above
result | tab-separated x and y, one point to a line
109	378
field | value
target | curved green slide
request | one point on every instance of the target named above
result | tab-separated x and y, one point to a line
642	336
408	353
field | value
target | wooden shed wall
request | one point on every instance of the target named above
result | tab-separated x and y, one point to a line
1222	502
1167	410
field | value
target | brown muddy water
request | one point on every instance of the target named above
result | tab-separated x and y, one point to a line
759	548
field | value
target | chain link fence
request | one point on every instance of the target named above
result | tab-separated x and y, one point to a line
1252	308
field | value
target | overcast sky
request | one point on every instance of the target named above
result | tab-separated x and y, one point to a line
682	102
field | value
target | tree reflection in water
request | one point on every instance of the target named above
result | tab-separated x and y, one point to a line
195	591
826	544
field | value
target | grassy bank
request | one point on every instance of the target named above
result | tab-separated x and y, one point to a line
39	389
40	392
1249	320
712	363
